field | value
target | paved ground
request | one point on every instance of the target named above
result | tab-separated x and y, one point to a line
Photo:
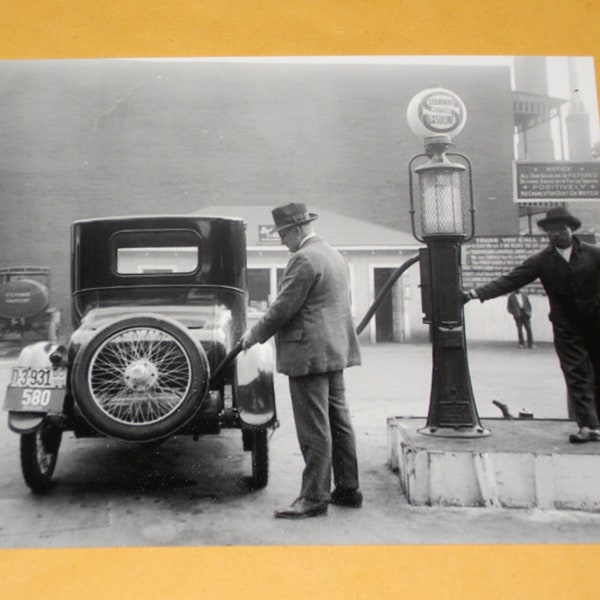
196	494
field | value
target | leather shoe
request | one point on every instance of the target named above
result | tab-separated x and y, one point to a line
347	497
585	434
302	508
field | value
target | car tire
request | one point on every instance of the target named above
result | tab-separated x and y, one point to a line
260	458
140	378
39	453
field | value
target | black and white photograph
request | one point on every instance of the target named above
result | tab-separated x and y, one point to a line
299	301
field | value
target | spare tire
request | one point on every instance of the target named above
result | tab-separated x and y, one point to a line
140	378
23	298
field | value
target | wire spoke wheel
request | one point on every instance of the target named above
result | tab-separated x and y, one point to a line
140	378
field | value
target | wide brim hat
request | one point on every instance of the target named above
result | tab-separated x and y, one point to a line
560	215
294	213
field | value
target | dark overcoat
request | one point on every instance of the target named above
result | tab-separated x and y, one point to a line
573	288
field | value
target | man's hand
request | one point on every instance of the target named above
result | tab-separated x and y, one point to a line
470	295
248	340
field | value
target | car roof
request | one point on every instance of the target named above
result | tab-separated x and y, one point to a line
221	244
159	217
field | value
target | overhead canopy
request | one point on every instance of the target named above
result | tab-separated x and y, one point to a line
533	109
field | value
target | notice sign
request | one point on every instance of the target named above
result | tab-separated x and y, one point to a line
559	181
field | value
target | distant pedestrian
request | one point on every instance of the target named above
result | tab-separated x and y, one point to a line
519	307
569	270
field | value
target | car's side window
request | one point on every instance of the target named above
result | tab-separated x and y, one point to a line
155	252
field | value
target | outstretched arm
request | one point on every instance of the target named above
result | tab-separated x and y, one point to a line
519	277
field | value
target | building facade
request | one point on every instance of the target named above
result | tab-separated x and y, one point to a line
84	139
372	253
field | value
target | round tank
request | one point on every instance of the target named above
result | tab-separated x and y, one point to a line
22	298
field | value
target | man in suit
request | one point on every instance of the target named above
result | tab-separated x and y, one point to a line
315	342
519	307
569	270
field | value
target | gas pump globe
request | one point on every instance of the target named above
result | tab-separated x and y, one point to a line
436	115
440	192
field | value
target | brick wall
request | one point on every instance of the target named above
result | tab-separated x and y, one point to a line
96	138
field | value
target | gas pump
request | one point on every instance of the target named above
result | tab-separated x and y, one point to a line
436	115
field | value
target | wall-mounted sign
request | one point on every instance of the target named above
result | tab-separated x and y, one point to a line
267	234
559	181
436	112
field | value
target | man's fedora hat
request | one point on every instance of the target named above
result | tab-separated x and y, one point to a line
560	215
294	213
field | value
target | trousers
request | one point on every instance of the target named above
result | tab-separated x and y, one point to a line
524	321
578	351
325	433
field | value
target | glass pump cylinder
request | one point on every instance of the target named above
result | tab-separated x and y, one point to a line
441	200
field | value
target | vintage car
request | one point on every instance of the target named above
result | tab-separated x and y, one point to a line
159	305
25	310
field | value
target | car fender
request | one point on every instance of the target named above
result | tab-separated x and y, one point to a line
256	393
25	422
36	355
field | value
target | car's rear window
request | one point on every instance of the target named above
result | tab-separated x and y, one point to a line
156	252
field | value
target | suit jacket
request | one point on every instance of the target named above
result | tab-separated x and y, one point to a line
311	315
514	308
573	288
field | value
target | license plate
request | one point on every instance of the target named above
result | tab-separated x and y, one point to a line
36	389
38	377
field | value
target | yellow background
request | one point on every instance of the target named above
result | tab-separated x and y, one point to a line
128	28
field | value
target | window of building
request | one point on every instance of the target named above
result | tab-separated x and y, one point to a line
259	288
